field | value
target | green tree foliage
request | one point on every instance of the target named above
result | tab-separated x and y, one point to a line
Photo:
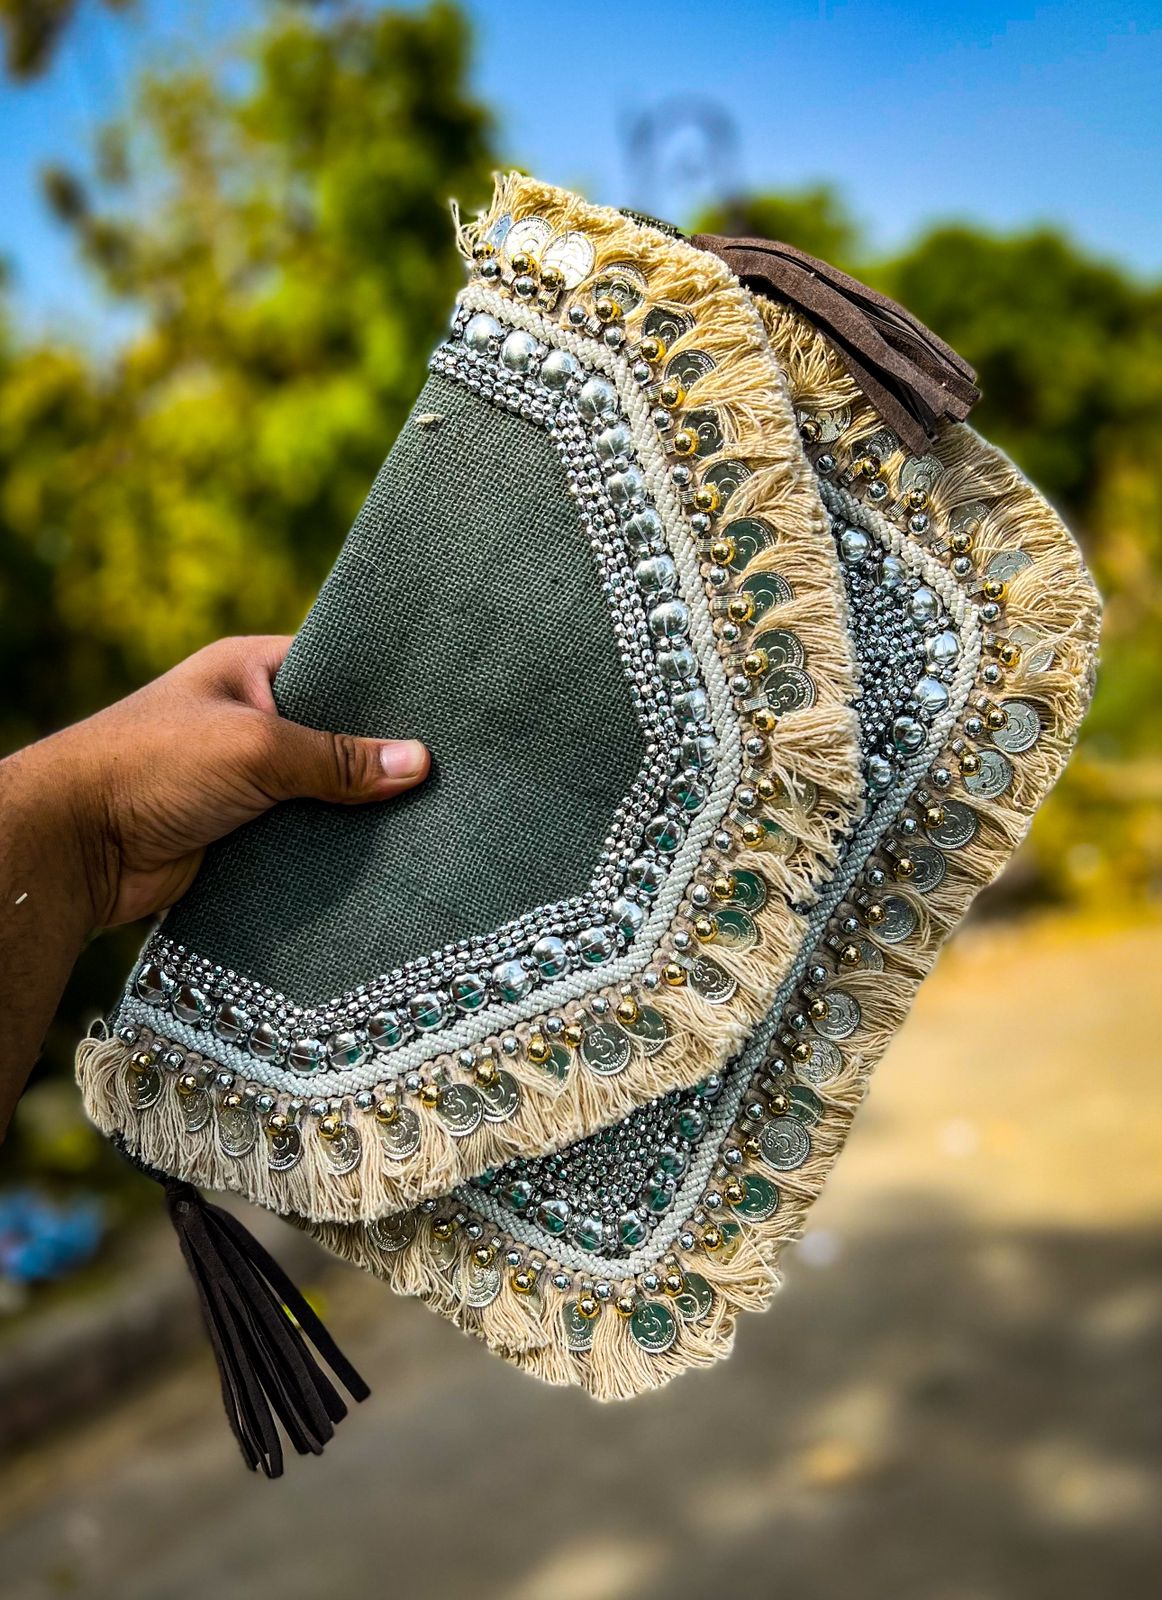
277	233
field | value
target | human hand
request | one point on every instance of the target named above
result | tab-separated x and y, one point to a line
155	778
108	820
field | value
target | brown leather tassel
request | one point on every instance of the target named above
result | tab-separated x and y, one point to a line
258	1324
913	379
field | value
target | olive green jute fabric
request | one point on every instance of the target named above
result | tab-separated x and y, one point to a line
465	609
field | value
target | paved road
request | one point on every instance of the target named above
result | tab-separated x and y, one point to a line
957	1397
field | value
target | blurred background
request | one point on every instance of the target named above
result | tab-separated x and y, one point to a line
227	254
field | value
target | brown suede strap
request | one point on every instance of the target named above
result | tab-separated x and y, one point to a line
913	379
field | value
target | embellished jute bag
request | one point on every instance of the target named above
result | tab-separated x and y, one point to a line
744	663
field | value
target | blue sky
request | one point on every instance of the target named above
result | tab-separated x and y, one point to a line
1005	114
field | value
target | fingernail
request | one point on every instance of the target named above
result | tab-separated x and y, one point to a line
404	758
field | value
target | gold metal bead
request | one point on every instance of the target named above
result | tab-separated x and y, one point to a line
483	250
278	1123
753	833
766	788
707	499
523	263
933	816
779	1104
673	1283
764	719
485	1072
387	1110
1008	654
734	1192
995	718
537	1049
484	1255
905	867
740	607
552	278
189	1083
705	928
723	886
755	663
969	763
627	1009
917	498
874	914
810	430
430	1095
961	542
671	394
849	955
232	1100
652	348
868	466
443	1227
684	442
673	974
523	1280
625	1304
801	1050
712	1237
817	1010
751	1147
330	1126
589	1306
573	1035
607	309
993	589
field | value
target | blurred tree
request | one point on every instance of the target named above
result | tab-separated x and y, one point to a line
814	219
280	241
32	31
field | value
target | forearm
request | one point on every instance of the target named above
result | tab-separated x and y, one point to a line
45	910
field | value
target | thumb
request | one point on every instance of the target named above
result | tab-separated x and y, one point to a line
307	763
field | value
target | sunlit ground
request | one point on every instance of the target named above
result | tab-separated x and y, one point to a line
958	1395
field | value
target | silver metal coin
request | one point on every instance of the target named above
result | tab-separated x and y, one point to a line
578	1329
958	827
735	929
284	1149
650	1030
342	1153
994	777
843	1015
460	1109
237	1129
501	1097
144	1087
900	919
1007	563
606	1049
786	1144
789	689
930	866
196	1109
824	1063
480	1285
400	1137
711	981
783	648
654	1326
696	1299
393	1233
871	957
1021	731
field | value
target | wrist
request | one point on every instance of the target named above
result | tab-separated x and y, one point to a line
57	852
